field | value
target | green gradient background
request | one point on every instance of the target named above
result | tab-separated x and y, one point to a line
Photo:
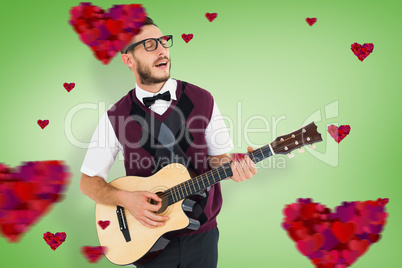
257	59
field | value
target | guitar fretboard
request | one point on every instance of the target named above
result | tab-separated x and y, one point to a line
203	181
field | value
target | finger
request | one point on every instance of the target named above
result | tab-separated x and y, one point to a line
153	208
245	170
152	196
250	149
146	224
152	222
155	217
251	165
235	175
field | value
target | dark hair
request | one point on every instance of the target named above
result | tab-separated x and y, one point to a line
148	21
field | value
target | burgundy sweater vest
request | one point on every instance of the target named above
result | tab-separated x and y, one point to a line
151	141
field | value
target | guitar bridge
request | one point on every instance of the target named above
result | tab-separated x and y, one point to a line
121	217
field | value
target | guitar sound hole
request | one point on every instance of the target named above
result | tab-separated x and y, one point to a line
164	198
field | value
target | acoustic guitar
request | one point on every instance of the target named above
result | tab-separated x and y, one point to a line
127	241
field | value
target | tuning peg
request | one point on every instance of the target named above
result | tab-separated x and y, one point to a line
291	155
300	150
312	147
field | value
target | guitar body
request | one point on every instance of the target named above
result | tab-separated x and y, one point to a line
145	243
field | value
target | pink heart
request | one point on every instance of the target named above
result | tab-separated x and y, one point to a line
27	193
362	51
338	133
311	21
334	239
343	231
310	244
350	256
361	246
54	240
103	224
69	86
187	37
211	16
93	254
43	123
95	27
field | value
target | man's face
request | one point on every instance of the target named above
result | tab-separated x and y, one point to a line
145	68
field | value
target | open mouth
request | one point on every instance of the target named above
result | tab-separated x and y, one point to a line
161	65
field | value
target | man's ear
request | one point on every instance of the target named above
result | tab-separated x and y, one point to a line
128	60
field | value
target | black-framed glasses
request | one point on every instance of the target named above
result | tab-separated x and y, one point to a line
151	44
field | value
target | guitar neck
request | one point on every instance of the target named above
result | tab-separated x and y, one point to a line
211	177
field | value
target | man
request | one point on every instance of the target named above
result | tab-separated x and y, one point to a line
177	126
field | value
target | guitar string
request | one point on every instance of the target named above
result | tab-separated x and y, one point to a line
217	171
175	191
175	194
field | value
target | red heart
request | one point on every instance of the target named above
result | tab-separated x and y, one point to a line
103	224
93	254
332	239
25	190
27	193
362	51
54	240
361	246
311	21
338	133
43	123
99	29
343	231
69	87
187	37
211	16
310	244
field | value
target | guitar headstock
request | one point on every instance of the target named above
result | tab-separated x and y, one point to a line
304	136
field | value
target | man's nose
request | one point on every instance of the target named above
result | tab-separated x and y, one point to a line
161	50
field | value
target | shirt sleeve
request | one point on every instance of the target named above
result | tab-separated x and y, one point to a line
102	150
217	135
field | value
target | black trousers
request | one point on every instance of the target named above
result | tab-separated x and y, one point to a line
193	251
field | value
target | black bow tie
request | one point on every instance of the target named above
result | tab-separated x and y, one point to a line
150	100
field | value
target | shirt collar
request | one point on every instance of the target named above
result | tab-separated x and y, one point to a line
170	85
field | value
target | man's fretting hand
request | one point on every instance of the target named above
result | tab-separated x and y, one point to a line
243	169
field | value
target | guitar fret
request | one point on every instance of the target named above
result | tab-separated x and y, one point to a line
190	189
224	176
174	199
195	190
252	154
181	189
185	188
224	169
219	175
171	196
177	192
209	183
262	153
168	193
199	187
